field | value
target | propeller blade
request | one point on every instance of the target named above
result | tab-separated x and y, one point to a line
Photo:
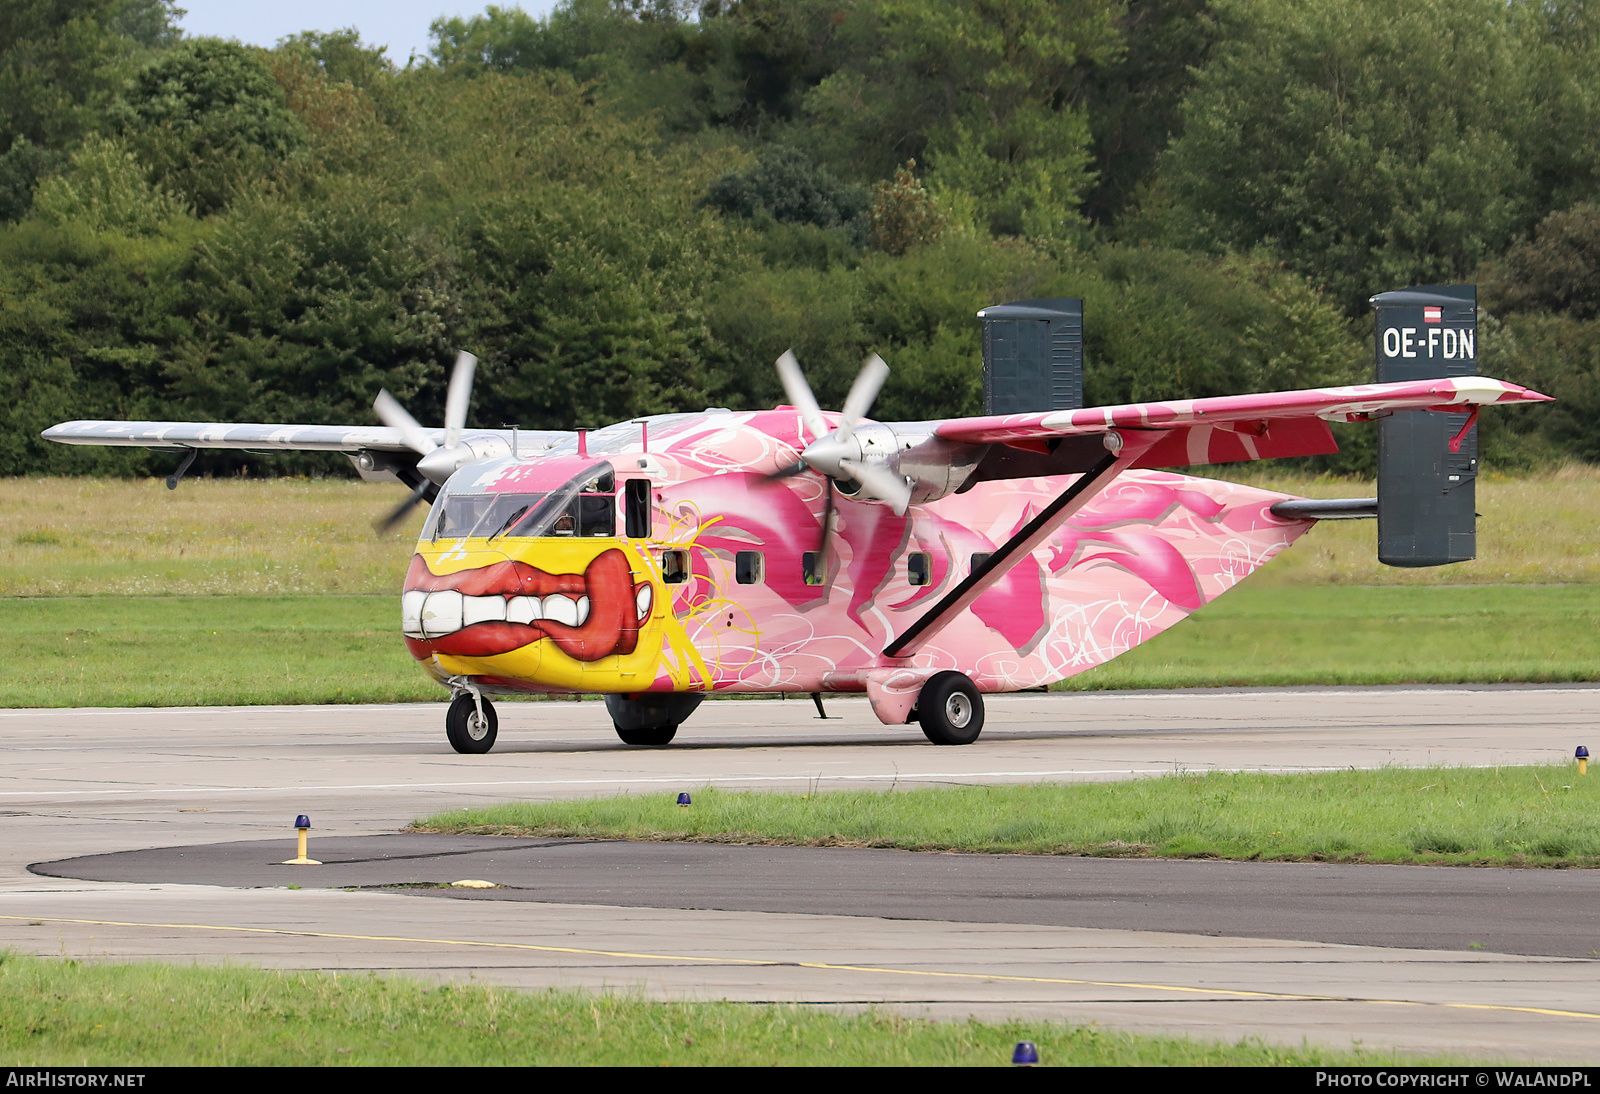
404	508
869	381
458	398
786	472
827	531
884	484
799	393
395	417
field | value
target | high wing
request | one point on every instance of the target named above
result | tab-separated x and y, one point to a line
256	437
1230	428
1099	443
379	453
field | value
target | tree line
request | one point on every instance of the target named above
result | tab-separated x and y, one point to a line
634	206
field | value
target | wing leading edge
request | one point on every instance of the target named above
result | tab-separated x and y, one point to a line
256	437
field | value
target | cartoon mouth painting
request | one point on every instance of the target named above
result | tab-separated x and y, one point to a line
499	608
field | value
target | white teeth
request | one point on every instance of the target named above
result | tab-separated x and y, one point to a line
441	613
561	609
411	613
482	609
642	601
433	615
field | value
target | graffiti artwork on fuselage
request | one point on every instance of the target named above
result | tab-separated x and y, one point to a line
525	578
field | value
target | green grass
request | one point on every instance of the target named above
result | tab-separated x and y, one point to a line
125	593
1261	635
1513	816
115	537
252	537
206	651
64	1013
194	651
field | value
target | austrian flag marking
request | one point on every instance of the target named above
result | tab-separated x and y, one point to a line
1433	315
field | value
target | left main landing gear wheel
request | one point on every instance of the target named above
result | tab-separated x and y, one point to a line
654	735
467	731
650	720
950	709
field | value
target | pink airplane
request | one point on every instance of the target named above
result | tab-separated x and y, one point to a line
923	563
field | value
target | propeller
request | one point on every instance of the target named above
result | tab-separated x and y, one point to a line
836	454
435	463
400	511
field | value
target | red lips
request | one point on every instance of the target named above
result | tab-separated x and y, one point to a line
611	627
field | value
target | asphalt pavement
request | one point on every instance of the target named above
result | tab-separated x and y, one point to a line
1554	913
1378	956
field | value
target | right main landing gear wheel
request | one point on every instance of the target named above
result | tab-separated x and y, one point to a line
950	709
467	731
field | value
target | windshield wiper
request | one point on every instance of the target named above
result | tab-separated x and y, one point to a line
512	519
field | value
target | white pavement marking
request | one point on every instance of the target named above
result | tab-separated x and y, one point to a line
88	781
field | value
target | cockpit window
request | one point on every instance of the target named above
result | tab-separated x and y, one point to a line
461	513
583	506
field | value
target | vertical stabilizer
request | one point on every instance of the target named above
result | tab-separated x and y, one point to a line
1032	356
1426	493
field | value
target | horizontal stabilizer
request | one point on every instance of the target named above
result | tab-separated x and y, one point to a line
1327	509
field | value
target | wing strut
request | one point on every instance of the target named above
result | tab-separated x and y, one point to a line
177	476
1123	448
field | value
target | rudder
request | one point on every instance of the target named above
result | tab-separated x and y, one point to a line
1426	492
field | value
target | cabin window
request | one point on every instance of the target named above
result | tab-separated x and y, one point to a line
749	567
813	569
636	508
919	568
597	515
674	567
980	558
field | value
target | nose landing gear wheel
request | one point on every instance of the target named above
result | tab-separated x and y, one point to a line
468	732
950	709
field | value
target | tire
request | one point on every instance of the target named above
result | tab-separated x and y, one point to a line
657	735
950	709
464	730
651	719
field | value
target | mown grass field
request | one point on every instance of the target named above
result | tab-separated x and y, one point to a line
1511	816
1541	529
108	537
1267	635
198	651
64	1013
238	591
209	537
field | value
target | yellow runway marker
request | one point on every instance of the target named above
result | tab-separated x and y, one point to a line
1231	993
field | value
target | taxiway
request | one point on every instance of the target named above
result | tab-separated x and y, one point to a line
1356	966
